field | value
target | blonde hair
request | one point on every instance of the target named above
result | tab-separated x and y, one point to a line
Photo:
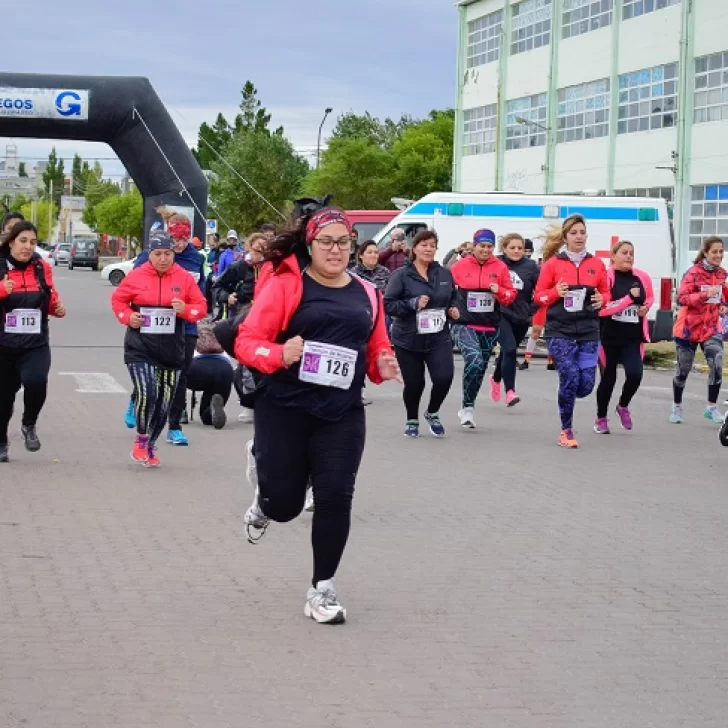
254	238
618	246
505	239
556	235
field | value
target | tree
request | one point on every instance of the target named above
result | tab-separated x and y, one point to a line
80	173
97	190
216	136
21	170
42	210
54	175
369	128
359	174
253	117
270	165
121	215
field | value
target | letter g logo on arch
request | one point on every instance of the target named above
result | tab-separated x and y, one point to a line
68	103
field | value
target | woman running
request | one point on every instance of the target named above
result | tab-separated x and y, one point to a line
701	294
27	298
315	334
516	318
419	297
624	332
155	302
483	286
573	285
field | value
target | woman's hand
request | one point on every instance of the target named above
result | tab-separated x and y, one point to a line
453	313
292	351
642	311
136	320
9	285
388	367
494	288
562	288
635	292
714	291
232	299
60	309
597	300
178	305
424	300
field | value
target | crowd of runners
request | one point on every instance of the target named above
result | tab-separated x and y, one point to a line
296	319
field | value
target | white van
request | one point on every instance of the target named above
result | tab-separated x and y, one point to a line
643	221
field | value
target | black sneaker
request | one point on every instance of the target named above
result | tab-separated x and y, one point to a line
3	452
523	365
551	366
184	417
32	443
722	435
217	411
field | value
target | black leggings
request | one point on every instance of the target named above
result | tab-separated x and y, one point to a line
292	446
610	355
210	375
27	368
441	366
179	402
510	336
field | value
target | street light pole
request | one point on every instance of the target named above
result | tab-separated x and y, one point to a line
318	145
546	168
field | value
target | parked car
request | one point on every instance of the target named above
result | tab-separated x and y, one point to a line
84	254
61	254
116	272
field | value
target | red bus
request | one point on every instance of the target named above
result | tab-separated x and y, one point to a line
368	223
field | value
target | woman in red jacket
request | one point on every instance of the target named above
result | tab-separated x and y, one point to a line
702	295
27	298
573	285
314	332
154	301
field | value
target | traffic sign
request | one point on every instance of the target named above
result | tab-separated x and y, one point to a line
211	227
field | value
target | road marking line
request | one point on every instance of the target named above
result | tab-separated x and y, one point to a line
95	383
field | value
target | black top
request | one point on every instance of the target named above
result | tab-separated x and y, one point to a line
404	289
622	331
524	275
339	316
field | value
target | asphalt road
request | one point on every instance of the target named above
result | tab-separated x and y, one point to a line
492	578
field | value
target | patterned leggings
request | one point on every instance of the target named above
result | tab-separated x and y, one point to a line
576	363
685	351
154	389
476	348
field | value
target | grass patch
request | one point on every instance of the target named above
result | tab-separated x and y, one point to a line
661	354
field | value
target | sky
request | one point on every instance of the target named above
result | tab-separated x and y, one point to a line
388	57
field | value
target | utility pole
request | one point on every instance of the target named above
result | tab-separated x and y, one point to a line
50	213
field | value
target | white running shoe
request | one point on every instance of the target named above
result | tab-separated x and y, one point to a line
467	417
246	415
309	506
256	522
322	604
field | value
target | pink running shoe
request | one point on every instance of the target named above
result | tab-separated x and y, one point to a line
495	390
625	419
601	426
512	398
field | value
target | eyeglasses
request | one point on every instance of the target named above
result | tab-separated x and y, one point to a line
343	244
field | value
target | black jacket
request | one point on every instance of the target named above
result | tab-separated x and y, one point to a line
524	274
239	278
404	289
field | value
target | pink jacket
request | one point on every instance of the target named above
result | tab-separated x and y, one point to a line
619	305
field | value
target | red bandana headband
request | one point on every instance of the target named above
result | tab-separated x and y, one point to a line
322	219
180	229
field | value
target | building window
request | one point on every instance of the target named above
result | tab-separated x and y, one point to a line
708	213
647	99
484	39
665	193
711	88
526	122
635	8
479	129
581	16
583	111
531	25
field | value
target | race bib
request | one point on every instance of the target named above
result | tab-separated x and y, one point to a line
158	320
23	321
628	316
481	302
574	300
431	320
712	299
327	365
516	281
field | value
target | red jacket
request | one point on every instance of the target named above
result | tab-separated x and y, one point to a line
697	320
27	293
275	304
590	275
145	287
469	275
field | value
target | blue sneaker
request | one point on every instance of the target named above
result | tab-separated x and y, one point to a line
412	428
177	437
130	416
433	420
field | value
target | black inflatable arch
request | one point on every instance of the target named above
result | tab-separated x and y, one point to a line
111	119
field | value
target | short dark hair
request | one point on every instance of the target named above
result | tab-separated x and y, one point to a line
12	215
420	238
19	227
361	248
